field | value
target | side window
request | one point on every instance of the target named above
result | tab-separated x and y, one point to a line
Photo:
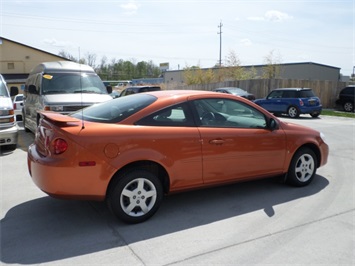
226	113
349	90
173	116
38	83
275	94
289	94
32	81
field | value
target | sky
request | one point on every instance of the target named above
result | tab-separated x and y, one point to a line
187	33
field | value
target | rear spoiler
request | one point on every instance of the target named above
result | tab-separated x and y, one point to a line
59	120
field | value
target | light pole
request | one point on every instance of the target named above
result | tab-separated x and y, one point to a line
220	43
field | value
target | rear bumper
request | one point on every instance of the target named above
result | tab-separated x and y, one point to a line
62	178
18	112
8	136
311	109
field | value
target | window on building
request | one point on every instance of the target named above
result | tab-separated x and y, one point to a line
10	65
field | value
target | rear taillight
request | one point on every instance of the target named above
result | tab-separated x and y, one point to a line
301	102
59	146
14	105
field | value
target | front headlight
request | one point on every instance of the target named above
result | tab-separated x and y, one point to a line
322	136
57	108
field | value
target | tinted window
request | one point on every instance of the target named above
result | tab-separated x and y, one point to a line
289	94
19	98
306	94
72	83
115	110
228	113
348	90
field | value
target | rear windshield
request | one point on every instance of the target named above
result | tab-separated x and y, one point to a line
115	110
58	83
19	98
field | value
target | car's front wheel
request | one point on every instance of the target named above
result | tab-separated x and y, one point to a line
348	106
293	112
302	168
135	196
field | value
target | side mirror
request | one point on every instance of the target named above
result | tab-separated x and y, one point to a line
109	89
32	89
13	91
273	125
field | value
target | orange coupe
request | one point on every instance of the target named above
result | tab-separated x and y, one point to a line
133	150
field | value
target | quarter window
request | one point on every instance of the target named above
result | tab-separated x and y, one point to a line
173	116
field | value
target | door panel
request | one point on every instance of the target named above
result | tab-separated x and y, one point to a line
237	153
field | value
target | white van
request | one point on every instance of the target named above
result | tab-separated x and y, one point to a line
61	86
8	127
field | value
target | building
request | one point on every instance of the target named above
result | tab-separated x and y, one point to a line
17	60
302	71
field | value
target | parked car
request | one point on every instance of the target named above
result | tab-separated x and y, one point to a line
138	89
237	92
292	101
18	105
61	86
346	98
130	151
8	128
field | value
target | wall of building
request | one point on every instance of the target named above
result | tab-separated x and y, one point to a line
303	71
20	59
17	60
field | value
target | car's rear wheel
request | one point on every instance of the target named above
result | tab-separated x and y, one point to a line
348	106
302	168
293	112
315	114
135	196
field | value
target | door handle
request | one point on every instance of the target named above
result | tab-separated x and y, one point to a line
217	141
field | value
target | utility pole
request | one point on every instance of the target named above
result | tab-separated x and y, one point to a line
220	43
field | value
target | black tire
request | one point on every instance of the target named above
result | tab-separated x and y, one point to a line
293	112
135	196
315	114
348	107
302	168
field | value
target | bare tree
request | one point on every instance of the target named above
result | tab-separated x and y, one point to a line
91	59
272	67
67	55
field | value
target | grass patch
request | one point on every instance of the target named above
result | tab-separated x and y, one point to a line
337	113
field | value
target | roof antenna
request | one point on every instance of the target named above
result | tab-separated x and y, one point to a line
81	94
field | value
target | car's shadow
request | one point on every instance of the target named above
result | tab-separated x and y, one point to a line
47	229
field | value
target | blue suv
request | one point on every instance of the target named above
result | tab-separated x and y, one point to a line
291	101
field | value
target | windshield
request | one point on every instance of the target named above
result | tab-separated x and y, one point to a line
115	110
3	90
236	91
58	83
